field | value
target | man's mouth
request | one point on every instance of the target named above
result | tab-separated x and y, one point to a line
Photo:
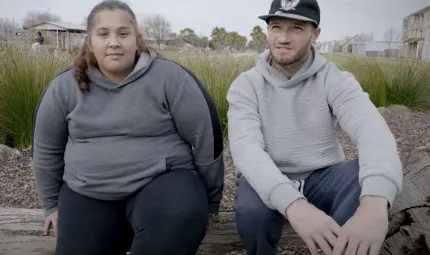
283	48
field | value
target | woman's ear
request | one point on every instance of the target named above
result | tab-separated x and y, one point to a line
87	42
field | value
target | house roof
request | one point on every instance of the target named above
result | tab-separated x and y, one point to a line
54	26
354	40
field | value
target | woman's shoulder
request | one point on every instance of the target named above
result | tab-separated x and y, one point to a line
62	76
170	65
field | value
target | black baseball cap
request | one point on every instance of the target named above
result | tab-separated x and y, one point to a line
306	10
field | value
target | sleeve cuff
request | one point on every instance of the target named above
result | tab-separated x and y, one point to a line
379	186
50	210
283	196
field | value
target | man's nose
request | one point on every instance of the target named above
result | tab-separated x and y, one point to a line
284	38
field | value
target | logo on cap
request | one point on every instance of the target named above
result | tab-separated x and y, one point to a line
288	5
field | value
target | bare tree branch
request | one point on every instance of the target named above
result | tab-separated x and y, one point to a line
158	28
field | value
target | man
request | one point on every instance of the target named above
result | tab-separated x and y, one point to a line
39	38
281	122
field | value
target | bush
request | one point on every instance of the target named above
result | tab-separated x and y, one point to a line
391	82
23	77
216	72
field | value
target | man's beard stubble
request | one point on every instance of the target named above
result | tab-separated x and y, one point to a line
297	60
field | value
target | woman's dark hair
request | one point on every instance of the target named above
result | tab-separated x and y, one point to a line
85	58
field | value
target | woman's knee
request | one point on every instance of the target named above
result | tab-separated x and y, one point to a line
177	199
89	226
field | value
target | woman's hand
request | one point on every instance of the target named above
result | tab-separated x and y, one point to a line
51	219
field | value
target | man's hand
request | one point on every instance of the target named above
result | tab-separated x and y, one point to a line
365	232
51	219
313	226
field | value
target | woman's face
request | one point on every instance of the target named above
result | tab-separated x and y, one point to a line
113	42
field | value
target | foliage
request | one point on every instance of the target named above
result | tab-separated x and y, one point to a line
34	18
217	72
393	82
158	28
24	75
222	38
259	39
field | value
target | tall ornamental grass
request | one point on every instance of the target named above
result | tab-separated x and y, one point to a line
216	72
23	77
391	82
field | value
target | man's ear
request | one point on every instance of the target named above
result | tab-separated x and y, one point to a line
316	33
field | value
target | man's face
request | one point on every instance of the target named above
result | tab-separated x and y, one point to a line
289	40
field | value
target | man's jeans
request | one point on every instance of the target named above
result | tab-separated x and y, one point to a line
334	190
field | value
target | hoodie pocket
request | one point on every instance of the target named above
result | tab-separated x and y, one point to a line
212	172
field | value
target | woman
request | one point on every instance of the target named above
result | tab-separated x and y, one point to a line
127	147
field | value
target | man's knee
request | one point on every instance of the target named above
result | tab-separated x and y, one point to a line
348	171
251	212
347	199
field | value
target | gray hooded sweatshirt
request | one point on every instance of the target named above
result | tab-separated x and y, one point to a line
280	130
109	142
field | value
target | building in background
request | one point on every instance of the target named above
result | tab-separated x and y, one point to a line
355	46
416	35
64	36
382	49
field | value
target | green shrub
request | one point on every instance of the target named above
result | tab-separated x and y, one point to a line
2	137
371	77
409	84
393	82
23	77
216	72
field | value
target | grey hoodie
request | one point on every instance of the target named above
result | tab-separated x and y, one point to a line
109	142
282	130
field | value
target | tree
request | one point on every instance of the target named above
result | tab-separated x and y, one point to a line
366	37
33	18
219	37
189	36
391	36
259	39
235	40
202	41
157	28
6	28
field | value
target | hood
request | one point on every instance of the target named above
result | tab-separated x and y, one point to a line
143	63
312	65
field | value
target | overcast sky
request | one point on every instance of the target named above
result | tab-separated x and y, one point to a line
339	18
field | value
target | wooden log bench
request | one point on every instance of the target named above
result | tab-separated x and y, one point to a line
21	230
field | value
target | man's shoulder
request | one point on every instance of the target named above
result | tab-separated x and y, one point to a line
249	78
332	74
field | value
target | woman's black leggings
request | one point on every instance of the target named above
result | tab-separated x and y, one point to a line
168	216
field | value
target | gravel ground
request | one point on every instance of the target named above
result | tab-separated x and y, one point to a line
412	134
